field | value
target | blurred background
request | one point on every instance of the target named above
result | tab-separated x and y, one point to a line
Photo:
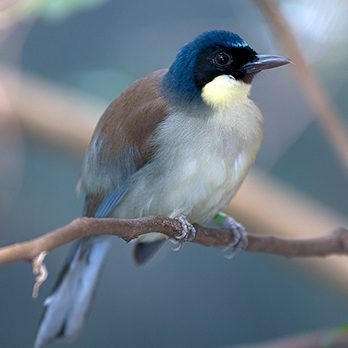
62	62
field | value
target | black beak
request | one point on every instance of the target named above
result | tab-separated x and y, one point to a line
264	62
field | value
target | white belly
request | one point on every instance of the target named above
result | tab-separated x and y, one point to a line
198	168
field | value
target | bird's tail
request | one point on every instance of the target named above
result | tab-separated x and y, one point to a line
67	307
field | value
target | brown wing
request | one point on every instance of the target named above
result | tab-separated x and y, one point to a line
121	143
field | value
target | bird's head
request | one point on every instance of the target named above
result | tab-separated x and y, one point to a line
215	70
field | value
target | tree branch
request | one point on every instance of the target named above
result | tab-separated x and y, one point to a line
35	250
335	243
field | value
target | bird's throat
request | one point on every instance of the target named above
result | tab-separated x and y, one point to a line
224	91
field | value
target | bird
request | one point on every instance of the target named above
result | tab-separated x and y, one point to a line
178	143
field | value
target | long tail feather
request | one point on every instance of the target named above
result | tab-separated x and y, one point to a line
67	307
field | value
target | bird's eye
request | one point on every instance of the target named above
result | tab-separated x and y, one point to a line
222	59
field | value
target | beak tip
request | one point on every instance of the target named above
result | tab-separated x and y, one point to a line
288	61
265	62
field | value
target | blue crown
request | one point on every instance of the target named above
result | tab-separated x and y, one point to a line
178	84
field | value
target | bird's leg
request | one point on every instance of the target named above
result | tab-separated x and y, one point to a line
240	235
188	233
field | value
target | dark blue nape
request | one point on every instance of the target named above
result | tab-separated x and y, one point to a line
178	84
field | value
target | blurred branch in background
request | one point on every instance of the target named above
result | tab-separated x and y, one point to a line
331	122
267	204
335	338
11	153
58	115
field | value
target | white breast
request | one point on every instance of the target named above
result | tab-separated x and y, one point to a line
199	166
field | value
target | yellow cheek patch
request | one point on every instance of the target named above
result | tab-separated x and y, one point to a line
224	91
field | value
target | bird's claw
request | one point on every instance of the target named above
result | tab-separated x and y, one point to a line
240	238
188	233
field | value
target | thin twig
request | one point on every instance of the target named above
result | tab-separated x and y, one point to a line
40	272
335	243
332	123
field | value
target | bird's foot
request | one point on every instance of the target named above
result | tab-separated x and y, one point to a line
188	233
240	238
